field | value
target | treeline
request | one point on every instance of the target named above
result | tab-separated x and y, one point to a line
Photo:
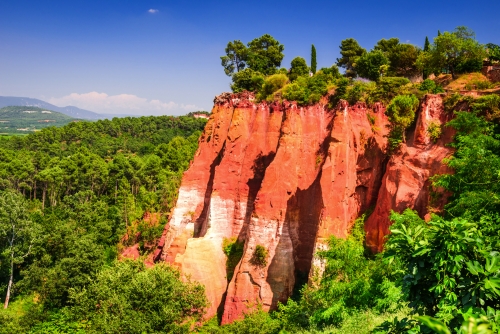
256	66
70	199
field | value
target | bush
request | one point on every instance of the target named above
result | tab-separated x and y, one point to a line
401	113
271	85
234	251
306	90
259	257
430	86
353	282
434	130
388	88
247	79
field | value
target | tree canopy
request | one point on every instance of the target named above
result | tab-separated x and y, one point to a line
235	58
453	51
350	51
265	54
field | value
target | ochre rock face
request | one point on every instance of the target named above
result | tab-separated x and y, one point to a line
286	178
406	182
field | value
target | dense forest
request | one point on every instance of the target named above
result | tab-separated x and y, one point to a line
69	196
72	198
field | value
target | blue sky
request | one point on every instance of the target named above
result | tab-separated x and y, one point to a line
121	57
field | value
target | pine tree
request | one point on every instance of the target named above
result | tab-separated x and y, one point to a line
439	33
313	59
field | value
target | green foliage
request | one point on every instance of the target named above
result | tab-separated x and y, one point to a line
434	130
403	60
234	251
271	85
307	89
401	57
493	51
255	322
247	79
130	298
450	265
235	58
401	113
352	282
388	88
85	185
17	235
313	59
259	256
24	119
429	86
370	65
332	72
350	51
298	68
265	54
479	85
454	52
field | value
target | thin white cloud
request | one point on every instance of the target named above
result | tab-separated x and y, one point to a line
153	11
122	104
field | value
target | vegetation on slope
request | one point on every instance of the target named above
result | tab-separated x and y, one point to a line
81	188
22	119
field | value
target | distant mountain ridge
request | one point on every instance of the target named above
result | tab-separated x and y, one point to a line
71	111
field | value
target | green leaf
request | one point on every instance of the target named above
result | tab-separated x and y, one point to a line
434	324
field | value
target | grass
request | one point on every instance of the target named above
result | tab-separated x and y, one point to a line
468	81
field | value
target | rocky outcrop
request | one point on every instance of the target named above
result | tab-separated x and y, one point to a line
406	182
286	178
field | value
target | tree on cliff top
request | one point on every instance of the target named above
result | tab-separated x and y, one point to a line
350	51
402	57
371	65
298	68
265	54
235	58
451	50
314	64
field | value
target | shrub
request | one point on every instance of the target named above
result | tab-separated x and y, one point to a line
247	79
234	251
340	91
271	85
307	90
259	257
296	91
434	130
353	282
388	88
333	71
401	113
430	86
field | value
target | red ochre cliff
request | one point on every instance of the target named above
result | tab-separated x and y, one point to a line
286	178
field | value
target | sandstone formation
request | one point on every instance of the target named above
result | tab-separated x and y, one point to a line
286	178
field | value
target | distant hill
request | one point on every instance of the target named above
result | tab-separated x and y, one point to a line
69	110
27	119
